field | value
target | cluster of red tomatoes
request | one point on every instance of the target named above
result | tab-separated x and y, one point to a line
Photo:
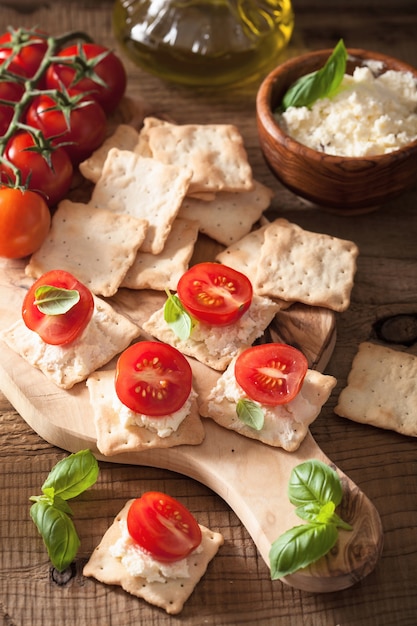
54	100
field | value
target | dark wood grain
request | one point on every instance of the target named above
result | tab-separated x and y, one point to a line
237	588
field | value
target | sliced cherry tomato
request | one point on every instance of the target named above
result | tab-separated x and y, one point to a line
271	373
52	180
95	69
153	378
63	328
24	222
163	527
82	130
32	48
215	293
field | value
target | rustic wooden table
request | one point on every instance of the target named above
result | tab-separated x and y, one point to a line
237	588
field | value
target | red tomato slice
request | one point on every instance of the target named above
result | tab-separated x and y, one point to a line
153	378
163	527
215	293
63	328
271	373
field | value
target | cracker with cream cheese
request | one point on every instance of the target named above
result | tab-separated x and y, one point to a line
215	153
229	215
163	271
107	334
169	595
285	425
215	346
381	389
144	188
95	245
116	434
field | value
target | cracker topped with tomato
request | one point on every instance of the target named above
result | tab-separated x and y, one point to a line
65	331
267	393
213	316
147	402
156	550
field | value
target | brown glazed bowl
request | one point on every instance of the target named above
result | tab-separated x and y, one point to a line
345	185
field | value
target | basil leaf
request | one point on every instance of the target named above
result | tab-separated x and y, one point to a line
250	413
300	546
58	533
72	475
320	84
314	481
52	300
177	317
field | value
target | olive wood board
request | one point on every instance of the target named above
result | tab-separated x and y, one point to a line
250	476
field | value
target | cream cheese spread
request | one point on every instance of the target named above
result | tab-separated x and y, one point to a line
373	113
164	426
137	562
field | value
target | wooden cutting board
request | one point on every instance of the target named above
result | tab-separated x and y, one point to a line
251	477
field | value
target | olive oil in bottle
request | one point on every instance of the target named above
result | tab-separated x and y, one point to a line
203	42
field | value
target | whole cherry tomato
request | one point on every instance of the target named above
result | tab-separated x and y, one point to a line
32	48
24	222
73	119
153	378
163	527
11	91
215	293
58	328
271	373
52	179
94	69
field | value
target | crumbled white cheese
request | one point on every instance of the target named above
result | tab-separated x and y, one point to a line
139	563
164	425
370	115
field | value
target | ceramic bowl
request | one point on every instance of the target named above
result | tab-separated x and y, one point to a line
346	185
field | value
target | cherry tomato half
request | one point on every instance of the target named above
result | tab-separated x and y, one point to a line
63	328
83	132
163	527
153	378
97	71
52	180
24	222
215	293
271	373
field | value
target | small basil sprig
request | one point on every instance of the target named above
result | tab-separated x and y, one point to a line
51	513
250	413
177	318
315	489
52	300
323	83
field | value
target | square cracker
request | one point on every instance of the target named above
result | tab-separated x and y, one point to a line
285	426
216	346
243	255
114	438
163	271
107	334
230	215
302	266
214	152
124	137
96	245
145	188
170	595
381	389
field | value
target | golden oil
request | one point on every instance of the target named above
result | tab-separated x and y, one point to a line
203	42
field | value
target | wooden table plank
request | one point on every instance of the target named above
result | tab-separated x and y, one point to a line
237	588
